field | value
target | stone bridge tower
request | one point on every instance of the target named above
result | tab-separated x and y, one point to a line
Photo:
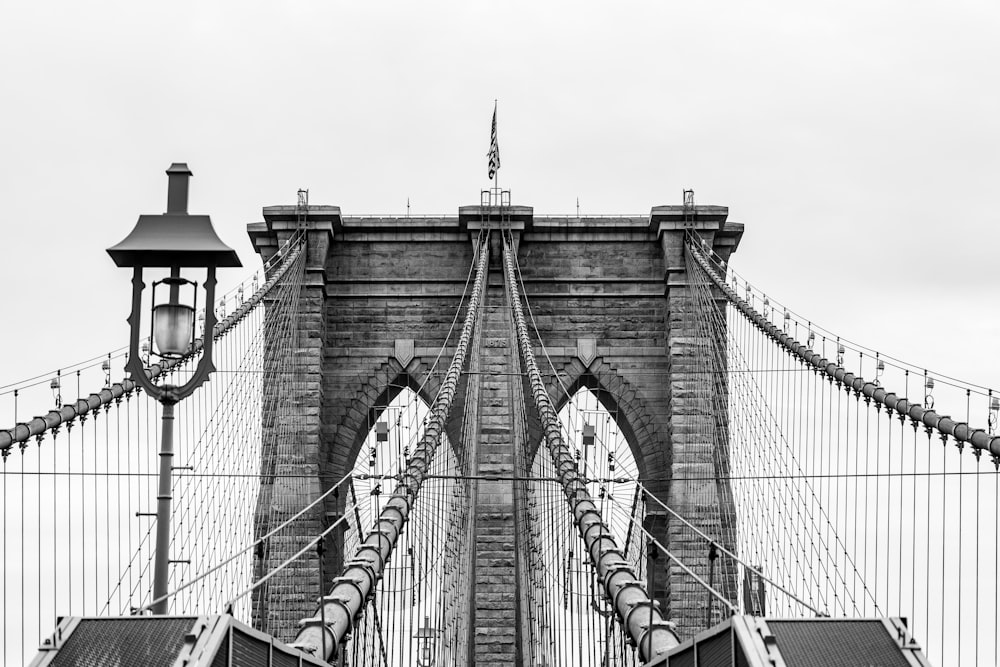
611	299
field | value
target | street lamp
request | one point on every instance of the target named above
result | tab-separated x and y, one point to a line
427	635
174	240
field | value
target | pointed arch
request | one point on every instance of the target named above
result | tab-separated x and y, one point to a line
619	398
369	400
343	440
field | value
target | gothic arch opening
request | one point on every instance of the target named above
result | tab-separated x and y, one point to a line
382	393
424	570
567	607
622	402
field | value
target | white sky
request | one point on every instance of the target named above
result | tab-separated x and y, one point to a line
857	141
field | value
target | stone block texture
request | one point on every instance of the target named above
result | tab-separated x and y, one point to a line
496	638
616	280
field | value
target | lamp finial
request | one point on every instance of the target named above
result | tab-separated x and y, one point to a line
177	187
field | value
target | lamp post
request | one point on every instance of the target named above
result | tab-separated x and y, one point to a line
174	240
427	635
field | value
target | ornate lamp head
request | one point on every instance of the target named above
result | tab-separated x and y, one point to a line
177	241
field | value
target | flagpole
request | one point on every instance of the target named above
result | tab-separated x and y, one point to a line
494	160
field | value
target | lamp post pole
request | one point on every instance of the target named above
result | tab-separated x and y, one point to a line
164	497
173	240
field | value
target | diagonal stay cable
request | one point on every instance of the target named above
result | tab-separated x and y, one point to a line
291	559
725	551
239	553
704	584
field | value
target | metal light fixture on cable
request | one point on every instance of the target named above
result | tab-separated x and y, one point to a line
55	386
994	414
174	240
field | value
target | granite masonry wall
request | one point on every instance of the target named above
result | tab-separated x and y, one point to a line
608	296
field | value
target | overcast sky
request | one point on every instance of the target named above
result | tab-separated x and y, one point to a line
857	141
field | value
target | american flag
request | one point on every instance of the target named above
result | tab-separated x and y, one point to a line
494	153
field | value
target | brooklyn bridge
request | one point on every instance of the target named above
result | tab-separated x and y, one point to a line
490	438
